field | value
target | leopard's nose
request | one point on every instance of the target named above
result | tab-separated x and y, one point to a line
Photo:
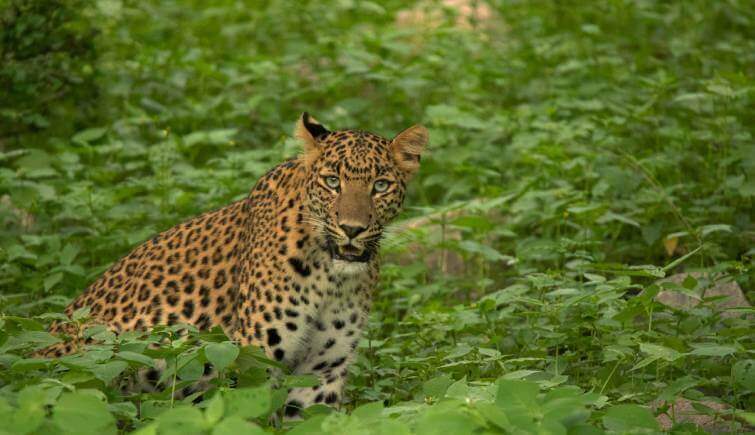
352	231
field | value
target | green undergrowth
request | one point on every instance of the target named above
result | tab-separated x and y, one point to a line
581	153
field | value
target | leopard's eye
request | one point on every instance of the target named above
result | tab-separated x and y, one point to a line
381	186
333	182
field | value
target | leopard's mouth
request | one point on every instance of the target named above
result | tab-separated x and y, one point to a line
348	252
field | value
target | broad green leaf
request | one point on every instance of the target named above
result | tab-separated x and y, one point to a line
458	390
52	280
676	388
518	400
519	374
494	415
138	358
369	411
436	387
89	135
660	352
190	367
69	253
108	371
645	362
210	137
709	229
712	349
487	252
247	402
445	418
15	252
221	355
82	313
743	373
30	413
123	409
33	339
629	419
80	413
182	420
236	425
215	408
610	216
30	364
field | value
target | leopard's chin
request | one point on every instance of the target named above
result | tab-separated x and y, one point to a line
344	267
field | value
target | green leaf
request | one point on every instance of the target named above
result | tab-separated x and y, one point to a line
681	259
30	413
436	387
671	392
24	323
369	411
89	135
442	114
444	419
52	280
81	413
743	373
190	368
236	425
247	402
37	339
108	371
494	415
123	409
629	419
181	420
459	351
30	364
710	349
519	374
221	355
689	282
610	216
487	252
16	252
518	400
215	408
210	137
566	411
68	254
138	358
81	313
645	362
660	352
458	390
709	229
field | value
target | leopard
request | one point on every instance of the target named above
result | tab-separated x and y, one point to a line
291	268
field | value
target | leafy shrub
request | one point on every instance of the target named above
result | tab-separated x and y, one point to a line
48	53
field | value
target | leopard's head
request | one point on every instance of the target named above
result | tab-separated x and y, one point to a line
356	183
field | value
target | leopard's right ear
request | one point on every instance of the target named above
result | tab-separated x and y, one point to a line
308	130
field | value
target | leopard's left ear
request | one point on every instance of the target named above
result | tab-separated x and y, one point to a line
407	148
308	130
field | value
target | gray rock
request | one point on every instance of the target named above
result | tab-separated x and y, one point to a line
724	286
683	411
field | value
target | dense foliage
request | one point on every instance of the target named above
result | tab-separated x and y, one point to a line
47	52
580	152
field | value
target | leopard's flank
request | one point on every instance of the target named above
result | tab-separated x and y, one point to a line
290	268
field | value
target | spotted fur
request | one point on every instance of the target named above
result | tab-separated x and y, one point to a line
290	268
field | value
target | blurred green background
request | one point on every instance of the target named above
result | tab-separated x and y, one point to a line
577	148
